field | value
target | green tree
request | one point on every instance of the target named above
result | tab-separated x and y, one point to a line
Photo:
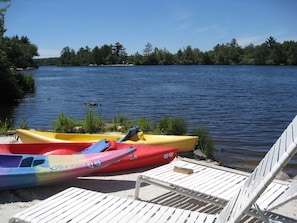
96	57
68	57
268	53
206	58
271	42
84	56
150	55
164	57
188	56
148	49
119	53
106	52
276	55
12	85
290	52
226	54
3	58
261	54
136	59
247	56
234	52
20	51
220	52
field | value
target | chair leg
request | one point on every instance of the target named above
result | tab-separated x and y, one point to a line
137	187
261	214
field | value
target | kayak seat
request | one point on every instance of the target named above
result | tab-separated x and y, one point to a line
140	136
30	161
9	161
112	145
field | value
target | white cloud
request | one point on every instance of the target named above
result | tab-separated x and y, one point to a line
183	26
183	15
206	28
212	32
245	41
46	53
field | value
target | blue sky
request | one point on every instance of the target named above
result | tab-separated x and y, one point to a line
166	24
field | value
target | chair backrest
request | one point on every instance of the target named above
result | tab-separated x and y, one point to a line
273	162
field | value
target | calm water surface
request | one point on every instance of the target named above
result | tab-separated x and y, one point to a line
245	108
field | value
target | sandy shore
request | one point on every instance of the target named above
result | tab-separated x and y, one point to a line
120	184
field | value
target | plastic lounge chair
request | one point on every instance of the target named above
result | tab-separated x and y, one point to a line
79	205
210	184
216	185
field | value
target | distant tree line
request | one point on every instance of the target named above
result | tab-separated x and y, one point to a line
15	53
270	52
107	54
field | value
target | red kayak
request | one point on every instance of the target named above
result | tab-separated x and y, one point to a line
145	155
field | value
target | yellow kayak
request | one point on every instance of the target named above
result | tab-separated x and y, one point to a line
182	143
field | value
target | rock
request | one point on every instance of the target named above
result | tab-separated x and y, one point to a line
11	132
282	176
200	155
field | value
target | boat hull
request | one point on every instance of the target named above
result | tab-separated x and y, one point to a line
27	170
145	155
182	143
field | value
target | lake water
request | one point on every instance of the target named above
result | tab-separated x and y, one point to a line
245	108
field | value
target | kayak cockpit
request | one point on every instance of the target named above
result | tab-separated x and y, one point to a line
11	161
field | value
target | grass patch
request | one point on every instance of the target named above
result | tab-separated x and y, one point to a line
5	126
65	124
205	142
93	123
172	126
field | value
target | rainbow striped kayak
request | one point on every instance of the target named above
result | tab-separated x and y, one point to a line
27	170
145	155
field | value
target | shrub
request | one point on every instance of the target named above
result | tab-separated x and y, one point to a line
121	123
93	124
14	85
64	124
112	127
24	124
5	126
205	142
145	124
26	82
171	126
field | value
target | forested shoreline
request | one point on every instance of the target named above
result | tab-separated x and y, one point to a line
269	52
15	53
18	53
